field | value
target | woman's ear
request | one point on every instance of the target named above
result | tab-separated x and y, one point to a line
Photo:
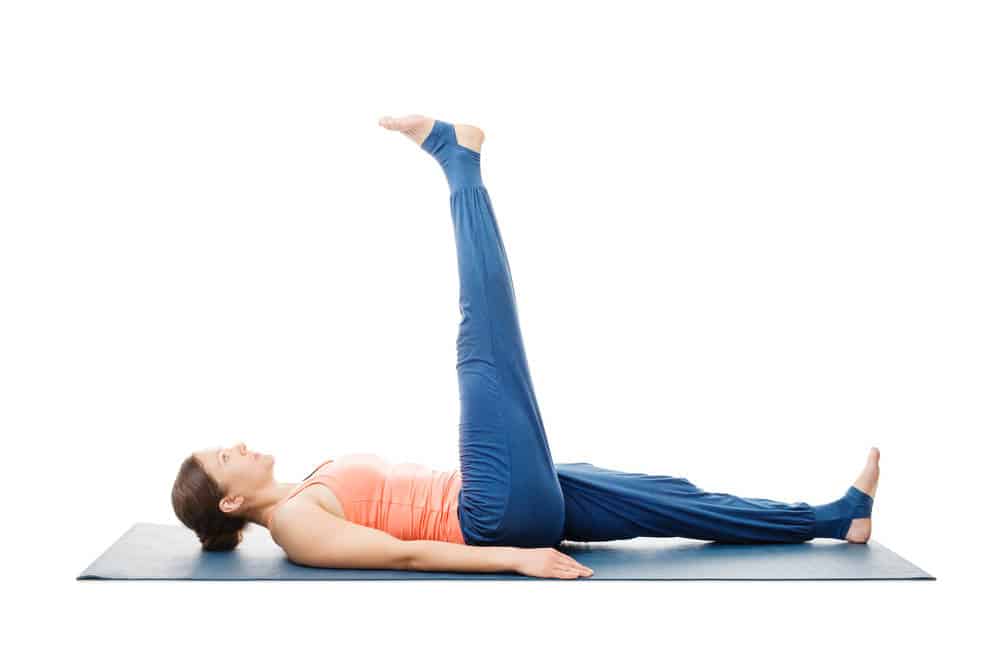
231	503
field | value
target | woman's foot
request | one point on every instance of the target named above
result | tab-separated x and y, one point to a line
861	529
418	127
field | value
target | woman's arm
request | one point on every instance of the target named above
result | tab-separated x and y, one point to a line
312	536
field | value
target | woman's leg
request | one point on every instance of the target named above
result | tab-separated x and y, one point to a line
604	504
510	493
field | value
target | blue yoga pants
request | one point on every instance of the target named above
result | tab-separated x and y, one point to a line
512	493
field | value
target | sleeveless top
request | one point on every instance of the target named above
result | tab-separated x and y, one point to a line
406	500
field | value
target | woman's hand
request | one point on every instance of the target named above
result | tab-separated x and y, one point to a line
550	563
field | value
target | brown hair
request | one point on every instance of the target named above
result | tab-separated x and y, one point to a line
196	499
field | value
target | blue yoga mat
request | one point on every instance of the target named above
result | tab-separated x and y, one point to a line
154	551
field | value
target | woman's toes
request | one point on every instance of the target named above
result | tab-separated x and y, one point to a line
398	123
415	126
867	481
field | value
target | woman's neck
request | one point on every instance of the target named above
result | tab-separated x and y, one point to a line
267	501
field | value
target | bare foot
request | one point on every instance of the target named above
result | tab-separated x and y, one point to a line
414	126
417	128
861	529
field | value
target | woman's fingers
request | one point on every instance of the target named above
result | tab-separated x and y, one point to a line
563	558
573	564
572	567
554	563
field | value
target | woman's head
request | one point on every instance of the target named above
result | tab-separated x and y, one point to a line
214	490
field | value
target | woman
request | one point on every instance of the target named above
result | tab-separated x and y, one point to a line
508	505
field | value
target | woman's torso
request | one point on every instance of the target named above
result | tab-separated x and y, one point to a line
406	500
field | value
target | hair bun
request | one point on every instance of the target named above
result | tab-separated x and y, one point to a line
221	541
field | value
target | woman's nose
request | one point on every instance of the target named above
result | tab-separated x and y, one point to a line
243	448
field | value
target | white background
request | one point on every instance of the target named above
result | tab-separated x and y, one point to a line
748	240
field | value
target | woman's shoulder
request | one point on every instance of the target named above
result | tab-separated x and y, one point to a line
292	513
300	509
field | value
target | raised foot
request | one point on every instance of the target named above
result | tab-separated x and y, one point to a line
417	127
861	529
414	126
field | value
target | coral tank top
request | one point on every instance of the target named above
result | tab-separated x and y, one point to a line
406	500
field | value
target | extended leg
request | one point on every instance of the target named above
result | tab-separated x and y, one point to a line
604	504
510	493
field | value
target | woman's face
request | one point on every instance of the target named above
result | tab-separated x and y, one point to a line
238	471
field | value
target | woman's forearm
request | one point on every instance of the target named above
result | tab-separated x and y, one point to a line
436	556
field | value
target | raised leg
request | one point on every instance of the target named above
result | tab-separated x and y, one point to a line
510	493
